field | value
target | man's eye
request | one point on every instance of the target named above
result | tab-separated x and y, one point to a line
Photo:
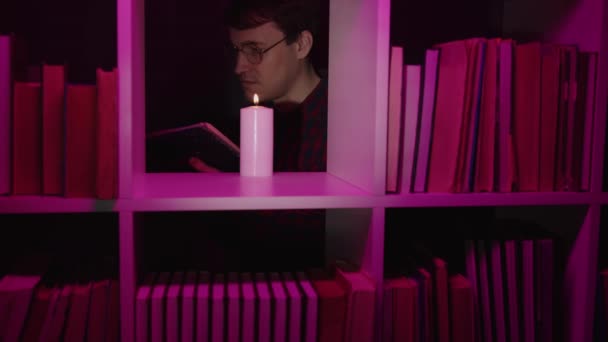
250	50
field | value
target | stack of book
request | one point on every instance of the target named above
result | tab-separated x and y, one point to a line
335	304
57	137
491	115
507	287
40	303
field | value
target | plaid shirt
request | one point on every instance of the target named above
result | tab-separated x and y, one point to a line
301	136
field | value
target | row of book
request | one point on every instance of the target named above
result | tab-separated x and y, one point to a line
502	287
35	306
491	115
57	137
318	305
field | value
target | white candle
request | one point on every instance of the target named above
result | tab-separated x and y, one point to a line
256	140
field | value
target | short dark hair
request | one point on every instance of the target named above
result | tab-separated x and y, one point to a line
291	16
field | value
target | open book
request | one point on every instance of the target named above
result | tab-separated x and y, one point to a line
169	150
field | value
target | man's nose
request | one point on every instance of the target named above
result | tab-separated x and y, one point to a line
242	64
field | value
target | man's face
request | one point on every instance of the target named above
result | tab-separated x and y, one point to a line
272	78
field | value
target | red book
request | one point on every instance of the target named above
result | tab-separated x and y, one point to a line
526	114
53	95
107	135
486	145
27	156
80	139
461	309
404	308
548	118
361	294
332	306
37	313
6	48
96	328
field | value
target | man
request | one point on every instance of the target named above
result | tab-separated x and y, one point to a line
272	42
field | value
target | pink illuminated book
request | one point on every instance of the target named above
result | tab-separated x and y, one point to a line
548	116
449	116
295	308
203	306
48	318
5	113
404	308
169	150
37	313
461	309
113	317
484	290
80	140
142	308
249	315
411	98
496	270
526	114
234	310
53	108
361	293
217	307
395	121
311	308
279	304
426	119
188	306
16	293
158	303
528	298
512	291
172	318
97	323
60	315
332	305
78	313
505	177
26	141
264	308
486	144
106	175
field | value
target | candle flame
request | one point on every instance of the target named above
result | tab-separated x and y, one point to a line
256	99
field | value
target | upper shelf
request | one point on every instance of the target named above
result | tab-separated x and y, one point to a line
229	191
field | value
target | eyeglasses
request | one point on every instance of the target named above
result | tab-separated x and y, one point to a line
253	53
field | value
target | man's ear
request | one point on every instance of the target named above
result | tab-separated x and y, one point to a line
304	44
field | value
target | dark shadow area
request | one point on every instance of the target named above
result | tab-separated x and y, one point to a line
229	241
418	25
70	243
78	34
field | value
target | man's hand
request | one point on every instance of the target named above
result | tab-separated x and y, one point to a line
200	166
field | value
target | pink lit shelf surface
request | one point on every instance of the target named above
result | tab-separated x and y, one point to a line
173	192
230	191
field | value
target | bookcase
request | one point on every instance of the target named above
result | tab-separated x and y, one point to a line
353	188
